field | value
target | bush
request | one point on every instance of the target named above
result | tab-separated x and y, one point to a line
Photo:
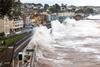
2	34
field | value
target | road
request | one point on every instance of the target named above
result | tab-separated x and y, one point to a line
30	61
11	53
20	48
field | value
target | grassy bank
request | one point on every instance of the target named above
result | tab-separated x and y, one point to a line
12	40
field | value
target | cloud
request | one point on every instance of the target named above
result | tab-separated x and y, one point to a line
69	2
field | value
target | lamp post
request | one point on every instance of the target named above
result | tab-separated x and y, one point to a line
12	56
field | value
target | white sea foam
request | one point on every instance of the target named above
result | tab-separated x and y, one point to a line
73	34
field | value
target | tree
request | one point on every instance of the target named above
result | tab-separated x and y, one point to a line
89	10
46	6
73	8
39	5
79	11
17	8
5	7
64	5
55	8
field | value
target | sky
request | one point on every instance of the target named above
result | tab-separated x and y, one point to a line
69	2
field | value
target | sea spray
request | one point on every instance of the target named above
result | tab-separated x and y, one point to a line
67	44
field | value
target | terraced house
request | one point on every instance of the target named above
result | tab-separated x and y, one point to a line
11	26
1	25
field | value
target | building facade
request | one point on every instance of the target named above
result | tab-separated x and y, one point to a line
18	25
11	26
1	25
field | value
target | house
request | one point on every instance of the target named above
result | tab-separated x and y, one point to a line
63	7
5	26
66	13
62	15
1	25
39	19
11	25
52	17
18	24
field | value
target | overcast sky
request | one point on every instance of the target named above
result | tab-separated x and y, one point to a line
69	2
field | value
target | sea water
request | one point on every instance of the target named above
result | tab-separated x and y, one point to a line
74	44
